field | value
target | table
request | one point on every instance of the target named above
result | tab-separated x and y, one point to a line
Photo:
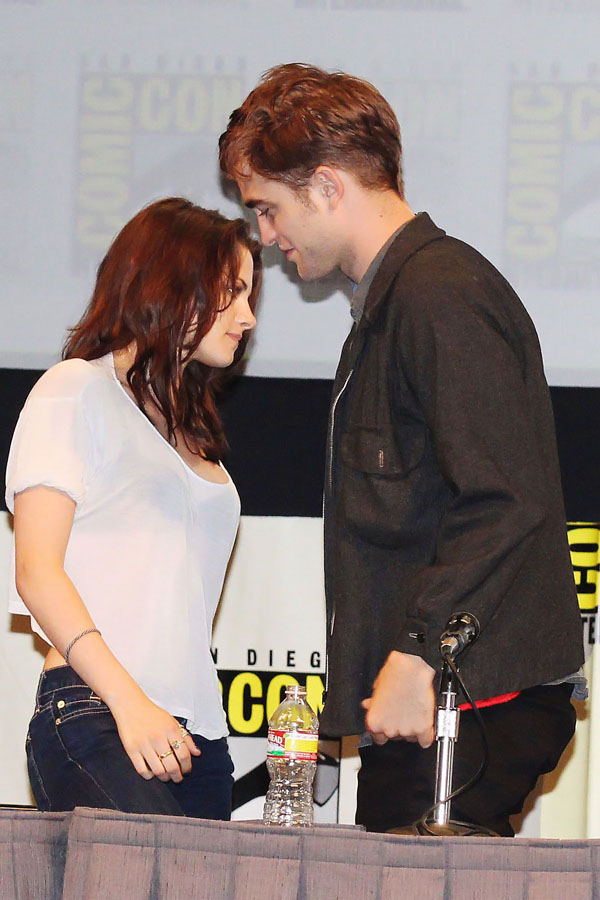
88	854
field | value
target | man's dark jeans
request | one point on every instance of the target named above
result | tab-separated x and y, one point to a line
75	758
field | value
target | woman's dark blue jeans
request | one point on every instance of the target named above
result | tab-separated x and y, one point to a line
75	758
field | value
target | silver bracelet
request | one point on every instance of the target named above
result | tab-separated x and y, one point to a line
76	638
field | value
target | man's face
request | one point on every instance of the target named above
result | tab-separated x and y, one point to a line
300	224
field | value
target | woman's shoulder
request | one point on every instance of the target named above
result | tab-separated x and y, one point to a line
71	378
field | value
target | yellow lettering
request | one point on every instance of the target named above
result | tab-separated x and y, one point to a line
107	93
154	104
245	681
535	131
107	154
589	535
314	692
274	691
95	231
191	105
105	122
584	113
584	543
532	241
538	102
533	204
534	164
227	95
102	193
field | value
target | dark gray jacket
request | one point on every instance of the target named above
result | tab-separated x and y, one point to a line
442	486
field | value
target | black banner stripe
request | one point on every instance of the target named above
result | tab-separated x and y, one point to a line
277	427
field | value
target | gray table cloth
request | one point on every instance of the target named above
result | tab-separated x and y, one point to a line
91	854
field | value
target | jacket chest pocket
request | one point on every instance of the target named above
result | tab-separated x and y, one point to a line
381	482
387	451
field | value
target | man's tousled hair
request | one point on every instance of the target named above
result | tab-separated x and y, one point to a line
300	117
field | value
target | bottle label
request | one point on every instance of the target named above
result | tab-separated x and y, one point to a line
293	744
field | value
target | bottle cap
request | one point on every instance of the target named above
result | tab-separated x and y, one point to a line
295	690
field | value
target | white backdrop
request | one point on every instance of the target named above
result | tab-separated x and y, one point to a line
106	105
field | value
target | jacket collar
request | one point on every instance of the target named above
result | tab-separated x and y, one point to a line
418	233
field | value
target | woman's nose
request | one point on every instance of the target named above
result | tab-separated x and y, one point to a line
245	317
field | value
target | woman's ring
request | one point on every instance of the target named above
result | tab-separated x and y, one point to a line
164	755
184	731
176	745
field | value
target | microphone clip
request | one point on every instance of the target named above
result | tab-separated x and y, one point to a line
462	629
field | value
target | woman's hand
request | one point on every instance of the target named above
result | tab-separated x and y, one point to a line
154	741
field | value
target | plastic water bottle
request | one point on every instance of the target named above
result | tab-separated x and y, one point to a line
291	760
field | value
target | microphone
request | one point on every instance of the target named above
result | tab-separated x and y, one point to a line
462	629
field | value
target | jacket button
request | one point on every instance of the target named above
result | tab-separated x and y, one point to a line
61	704
57	721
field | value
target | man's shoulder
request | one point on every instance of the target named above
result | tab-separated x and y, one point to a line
451	270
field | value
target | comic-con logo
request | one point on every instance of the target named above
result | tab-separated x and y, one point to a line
142	135
553	185
250	698
584	544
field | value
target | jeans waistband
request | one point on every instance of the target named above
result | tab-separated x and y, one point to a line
61	677
58	679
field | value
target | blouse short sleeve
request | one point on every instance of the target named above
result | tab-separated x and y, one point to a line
52	444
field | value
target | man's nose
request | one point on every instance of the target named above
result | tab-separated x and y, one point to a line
268	234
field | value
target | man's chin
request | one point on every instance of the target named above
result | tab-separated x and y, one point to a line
308	273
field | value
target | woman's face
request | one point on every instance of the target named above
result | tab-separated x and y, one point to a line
217	347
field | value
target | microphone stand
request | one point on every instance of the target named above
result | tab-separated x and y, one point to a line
446	730
462	629
447	725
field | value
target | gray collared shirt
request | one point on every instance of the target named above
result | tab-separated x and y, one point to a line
362	288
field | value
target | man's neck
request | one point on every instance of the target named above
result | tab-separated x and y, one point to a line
376	215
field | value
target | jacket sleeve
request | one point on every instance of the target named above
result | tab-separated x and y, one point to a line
466	370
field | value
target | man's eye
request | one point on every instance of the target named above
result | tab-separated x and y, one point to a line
267	213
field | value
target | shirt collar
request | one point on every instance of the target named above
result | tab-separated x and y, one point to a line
361	289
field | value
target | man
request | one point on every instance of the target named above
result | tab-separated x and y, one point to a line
442	489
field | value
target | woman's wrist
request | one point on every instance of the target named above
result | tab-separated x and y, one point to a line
121	697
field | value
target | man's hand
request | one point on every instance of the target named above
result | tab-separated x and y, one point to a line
403	701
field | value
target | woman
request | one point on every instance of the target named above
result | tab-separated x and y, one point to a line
125	520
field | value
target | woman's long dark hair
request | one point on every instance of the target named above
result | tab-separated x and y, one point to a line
161	285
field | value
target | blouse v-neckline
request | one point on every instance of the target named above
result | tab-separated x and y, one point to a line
161	437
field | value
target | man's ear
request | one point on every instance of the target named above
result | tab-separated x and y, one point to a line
328	184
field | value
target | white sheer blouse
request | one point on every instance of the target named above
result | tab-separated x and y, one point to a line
151	539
